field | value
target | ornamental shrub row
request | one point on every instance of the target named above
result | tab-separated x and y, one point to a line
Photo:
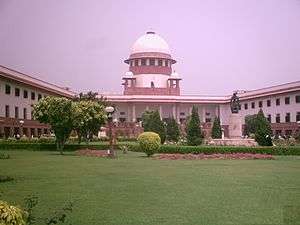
289	150
50	147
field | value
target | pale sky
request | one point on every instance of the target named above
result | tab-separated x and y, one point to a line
219	45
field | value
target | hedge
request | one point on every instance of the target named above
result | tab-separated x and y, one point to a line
284	150
289	150
50	147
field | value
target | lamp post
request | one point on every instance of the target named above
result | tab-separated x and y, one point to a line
21	127
110	111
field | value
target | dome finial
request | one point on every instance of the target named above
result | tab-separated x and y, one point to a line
150	31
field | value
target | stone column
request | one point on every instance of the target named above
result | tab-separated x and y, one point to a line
217	111
35	132
133	113
174	111
160	111
203	114
178	113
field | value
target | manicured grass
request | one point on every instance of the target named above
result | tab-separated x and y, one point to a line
137	190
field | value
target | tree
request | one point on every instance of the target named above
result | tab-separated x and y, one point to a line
58	112
263	130
152	122
250	124
89	116
91	96
172	130
193	130
216	129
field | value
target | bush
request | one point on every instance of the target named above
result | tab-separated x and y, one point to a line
193	130
216	129
263	130
149	142
172	130
4	156
5	179
293	150
153	123
11	215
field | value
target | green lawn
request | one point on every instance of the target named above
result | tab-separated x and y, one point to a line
137	190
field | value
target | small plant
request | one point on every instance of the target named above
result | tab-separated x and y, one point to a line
124	149
60	216
5	179
30	202
11	215
4	156
149	142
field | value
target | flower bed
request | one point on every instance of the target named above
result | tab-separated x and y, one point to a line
94	153
212	156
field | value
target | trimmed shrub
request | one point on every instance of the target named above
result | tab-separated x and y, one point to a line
172	130
4	156
153	123
263	130
193	130
5	179
216	129
11	215
149	142
292	150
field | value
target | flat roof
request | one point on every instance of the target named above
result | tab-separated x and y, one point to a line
35	82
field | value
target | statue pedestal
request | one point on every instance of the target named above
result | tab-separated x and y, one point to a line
235	126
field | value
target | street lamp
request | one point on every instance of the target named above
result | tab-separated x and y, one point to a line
21	127
110	111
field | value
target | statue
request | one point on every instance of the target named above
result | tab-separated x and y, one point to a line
235	103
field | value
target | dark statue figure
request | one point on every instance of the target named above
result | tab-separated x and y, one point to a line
235	103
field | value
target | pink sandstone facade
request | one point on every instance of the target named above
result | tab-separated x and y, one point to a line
152	84
149	84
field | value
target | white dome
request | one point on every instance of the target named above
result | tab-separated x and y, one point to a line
150	42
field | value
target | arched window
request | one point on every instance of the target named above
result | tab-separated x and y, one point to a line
152	84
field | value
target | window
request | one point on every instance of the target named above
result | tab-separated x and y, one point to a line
143	62
32	96
240	107
246	106
16	112
297	98
277	118
159	62
122	120
39	96
287	117
136	62
24	113
7	111
260	104
253	105
17	92
25	94
152	84
277	101
7	89
207	120
287	100
152	62
298	116
122	113
269	118
268	103
166	63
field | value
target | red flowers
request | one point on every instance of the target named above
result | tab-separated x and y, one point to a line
95	153
213	156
